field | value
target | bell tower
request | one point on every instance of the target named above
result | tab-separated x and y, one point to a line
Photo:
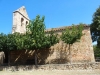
20	20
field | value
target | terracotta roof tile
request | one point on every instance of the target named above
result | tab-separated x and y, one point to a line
62	28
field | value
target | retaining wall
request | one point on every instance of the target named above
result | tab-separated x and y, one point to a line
80	66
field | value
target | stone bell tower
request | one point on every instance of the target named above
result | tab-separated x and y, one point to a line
20	20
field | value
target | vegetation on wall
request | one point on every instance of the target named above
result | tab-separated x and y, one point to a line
72	35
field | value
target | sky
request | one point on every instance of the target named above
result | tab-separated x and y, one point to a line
57	13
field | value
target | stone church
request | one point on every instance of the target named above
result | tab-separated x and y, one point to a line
20	20
58	54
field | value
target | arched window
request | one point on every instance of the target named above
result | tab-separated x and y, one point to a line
26	22
22	21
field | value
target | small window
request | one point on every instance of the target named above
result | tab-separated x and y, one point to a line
26	22
22	20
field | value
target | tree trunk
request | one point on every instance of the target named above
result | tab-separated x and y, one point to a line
36	57
70	55
8	57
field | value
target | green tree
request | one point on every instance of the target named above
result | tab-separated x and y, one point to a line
37	36
14	41
72	35
7	43
11	42
96	51
95	27
3	40
19	41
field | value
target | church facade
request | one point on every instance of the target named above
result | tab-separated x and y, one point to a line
20	20
58	54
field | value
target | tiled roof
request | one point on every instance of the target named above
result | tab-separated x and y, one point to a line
62	28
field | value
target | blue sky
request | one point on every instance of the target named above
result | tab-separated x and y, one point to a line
57	13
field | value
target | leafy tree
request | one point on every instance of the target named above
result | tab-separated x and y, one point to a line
11	42
37	36
95	27
96	51
14	42
6	43
19	41
72	35
10	45
3	40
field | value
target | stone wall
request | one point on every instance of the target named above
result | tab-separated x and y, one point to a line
80	51
59	53
2	57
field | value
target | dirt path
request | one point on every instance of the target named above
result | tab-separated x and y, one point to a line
54	72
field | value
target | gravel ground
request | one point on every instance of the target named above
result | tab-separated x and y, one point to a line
52	72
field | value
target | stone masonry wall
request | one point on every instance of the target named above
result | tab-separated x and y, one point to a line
80	51
59	54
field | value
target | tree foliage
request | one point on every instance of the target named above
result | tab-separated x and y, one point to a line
39	38
12	41
96	51
11	44
3	40
35	38
95	27
71	35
